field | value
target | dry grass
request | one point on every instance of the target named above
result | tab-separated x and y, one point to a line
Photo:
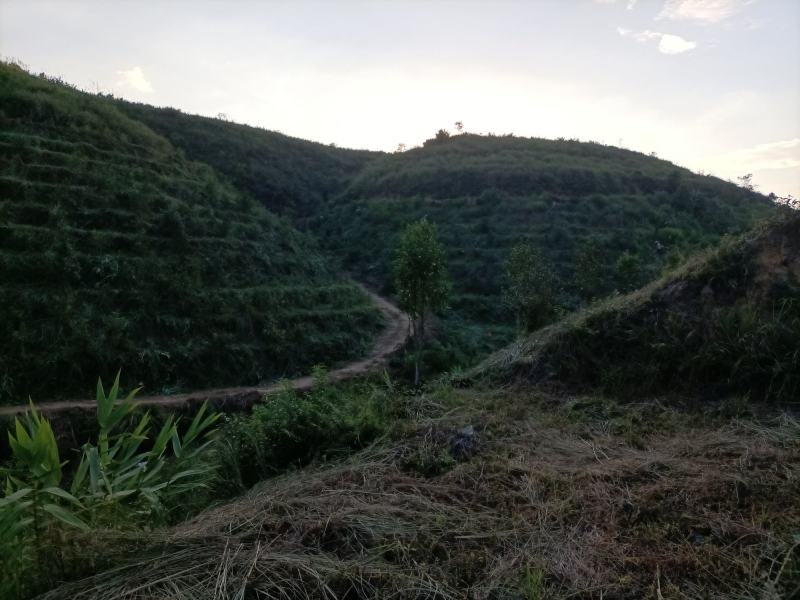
578	500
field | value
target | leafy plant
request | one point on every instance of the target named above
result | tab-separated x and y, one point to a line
121	467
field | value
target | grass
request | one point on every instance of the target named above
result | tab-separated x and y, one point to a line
552	500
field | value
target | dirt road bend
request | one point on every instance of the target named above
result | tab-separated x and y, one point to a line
393	337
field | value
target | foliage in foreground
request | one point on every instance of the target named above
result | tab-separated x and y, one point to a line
503	496
128	476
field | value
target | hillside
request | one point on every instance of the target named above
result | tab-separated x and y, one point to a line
486	193
118	252
508	486
287	175
727	322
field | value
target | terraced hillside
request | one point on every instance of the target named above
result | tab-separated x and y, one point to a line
287	175
486	193
117	252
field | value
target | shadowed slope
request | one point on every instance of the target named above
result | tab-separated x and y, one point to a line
728	321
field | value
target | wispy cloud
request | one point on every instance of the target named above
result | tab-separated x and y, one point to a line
667	43
134	79
707	11
784	154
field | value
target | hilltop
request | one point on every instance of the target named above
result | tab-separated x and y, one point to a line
116	251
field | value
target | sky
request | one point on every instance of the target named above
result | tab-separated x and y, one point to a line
712	85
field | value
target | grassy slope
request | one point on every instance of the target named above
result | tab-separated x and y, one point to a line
487	193
574	498
727	321
288	175
115	251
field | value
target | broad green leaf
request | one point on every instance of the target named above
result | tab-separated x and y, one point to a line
57	491
65	516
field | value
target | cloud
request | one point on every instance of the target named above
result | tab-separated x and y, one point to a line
674	44
134	78
784	154
707	11
667	42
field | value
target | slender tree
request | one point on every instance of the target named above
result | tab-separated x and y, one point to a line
531	287
421	279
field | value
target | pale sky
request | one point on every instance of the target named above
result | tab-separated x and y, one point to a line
713	85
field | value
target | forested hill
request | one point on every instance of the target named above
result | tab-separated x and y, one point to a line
288	175
570	199
118	252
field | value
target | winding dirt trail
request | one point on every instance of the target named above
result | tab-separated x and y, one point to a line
393	337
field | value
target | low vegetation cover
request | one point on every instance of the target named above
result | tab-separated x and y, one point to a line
728	321
61	519
497	495
369	490
604	219
115	250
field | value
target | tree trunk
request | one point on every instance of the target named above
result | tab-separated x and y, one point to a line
419	335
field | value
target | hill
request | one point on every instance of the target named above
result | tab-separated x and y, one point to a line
118	252
486	193
287	175
727	322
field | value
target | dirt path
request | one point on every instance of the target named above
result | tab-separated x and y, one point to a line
391	340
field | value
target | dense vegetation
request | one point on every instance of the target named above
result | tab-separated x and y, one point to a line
470	493
626	215
117	251
60	517
288	175
726	322
486	193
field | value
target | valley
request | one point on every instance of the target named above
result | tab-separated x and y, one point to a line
608	346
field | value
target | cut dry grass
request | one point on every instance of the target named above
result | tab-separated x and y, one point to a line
538	502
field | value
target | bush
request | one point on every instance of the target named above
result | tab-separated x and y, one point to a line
292	429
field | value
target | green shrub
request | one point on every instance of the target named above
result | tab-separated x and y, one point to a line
124	478
291	429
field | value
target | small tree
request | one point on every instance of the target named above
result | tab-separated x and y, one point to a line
531	289
459	125
746	182
421	279
442	135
